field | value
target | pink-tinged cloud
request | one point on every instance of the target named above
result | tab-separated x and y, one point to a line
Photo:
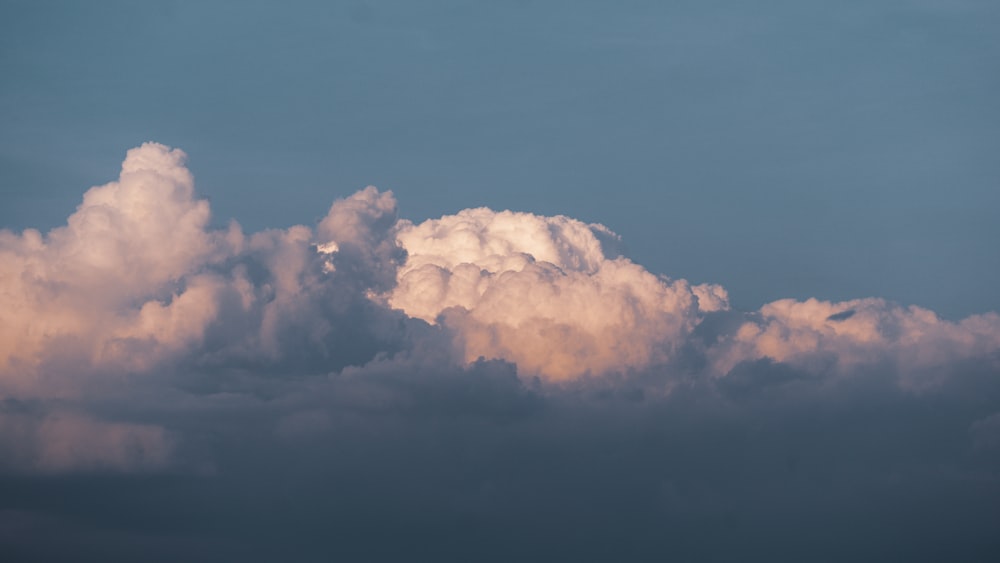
105	288
913	341
135	278
542	292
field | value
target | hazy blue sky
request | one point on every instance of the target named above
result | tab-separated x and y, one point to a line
783	149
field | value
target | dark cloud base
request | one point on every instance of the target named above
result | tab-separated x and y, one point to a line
412	464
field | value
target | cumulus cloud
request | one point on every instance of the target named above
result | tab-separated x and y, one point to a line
498	373
113	285
542	292
136	284
912	341
136	280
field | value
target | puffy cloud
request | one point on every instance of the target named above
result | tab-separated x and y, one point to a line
271	386
359	229
300	300
112	286
542	292
136	284
136	280
912	341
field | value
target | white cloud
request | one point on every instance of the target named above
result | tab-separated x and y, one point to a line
541	292
106	287
913	341
136	280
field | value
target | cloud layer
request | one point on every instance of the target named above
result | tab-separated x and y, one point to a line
503	369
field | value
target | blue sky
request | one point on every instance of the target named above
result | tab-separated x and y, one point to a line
783	149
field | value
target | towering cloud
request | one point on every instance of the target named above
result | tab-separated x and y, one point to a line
136	280
113	286
136	284
543	293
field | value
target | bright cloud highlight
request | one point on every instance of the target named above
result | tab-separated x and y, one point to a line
542	292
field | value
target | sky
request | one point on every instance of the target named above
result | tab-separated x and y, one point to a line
784	149
451	281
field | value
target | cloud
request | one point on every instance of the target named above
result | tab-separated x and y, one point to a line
112	286
912	341
541	292
136	281
136	285
55	438
486	385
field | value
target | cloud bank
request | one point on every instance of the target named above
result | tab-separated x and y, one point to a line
136	281
502	369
